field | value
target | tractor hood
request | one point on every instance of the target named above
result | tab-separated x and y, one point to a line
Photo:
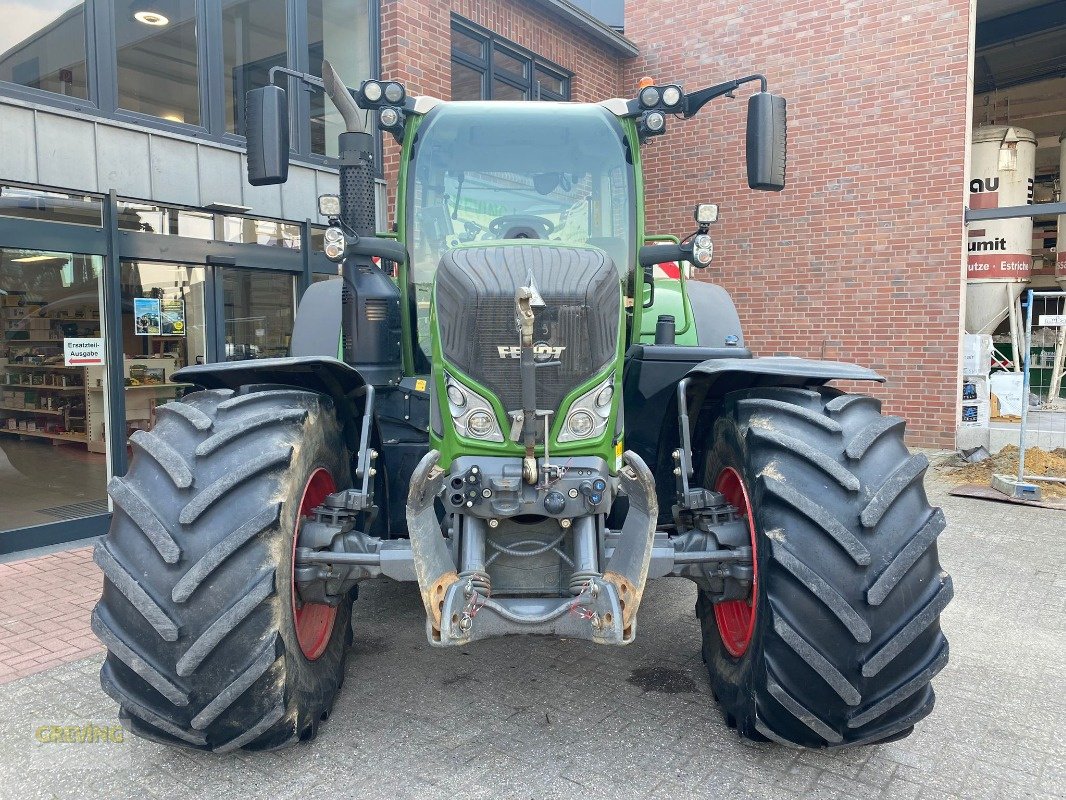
575	331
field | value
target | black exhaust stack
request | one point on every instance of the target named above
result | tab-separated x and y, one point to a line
370	301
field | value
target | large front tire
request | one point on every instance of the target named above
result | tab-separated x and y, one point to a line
841	637
208	646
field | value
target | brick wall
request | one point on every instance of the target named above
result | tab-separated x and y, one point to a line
416	49
860	258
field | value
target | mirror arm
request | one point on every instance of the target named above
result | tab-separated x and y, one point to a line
333	86
694	101
300	76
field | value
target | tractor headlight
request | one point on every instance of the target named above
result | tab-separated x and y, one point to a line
702	250
456	396
671	95
649	97
471	413
372	91
589	414
479	423
334	251
580	423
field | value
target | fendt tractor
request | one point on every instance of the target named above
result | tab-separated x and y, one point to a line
505	402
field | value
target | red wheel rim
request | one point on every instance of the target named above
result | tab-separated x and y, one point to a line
736	618
314	621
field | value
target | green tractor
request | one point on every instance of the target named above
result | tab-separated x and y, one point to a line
503	403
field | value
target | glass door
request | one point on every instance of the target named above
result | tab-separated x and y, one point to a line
258	313
163	330
52	385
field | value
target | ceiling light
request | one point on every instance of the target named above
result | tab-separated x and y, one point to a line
153	18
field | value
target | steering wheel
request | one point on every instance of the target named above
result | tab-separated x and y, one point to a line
541	227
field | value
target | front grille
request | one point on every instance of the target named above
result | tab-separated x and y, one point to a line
476	313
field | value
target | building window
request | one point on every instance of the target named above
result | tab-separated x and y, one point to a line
44	206
253	41
42	46
337	30
158	60
488	67
55	52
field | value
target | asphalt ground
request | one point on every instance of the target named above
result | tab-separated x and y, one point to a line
540	718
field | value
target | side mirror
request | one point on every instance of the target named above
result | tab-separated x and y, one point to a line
267	128
766	142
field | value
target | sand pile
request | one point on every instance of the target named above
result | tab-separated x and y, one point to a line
1005	462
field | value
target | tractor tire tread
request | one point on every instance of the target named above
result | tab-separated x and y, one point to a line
201	649
847	636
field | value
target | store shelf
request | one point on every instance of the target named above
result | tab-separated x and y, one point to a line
39	387
80	438
49	367
33	410
146	386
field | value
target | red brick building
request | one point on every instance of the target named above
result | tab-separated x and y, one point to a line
861	257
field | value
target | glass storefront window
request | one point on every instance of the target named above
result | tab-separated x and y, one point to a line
163	328
194	224
253	41
42	45
259	313
249	230
76	209
158	62
52	466
338	30
149	218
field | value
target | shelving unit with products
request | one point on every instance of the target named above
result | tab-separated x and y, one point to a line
39	396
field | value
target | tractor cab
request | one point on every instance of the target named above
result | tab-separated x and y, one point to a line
481	174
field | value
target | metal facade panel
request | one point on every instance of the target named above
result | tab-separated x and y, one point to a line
66	154
19	162
175	177
298	198
221	175
123	162
264	200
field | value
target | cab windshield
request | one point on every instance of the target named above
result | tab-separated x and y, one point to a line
490	171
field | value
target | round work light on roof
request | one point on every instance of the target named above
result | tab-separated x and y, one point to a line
649	97
372	91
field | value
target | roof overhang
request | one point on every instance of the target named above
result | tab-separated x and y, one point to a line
586	23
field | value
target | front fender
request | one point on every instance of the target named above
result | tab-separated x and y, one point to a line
720	376
321	374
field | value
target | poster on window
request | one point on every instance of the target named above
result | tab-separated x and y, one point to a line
146	316
172	317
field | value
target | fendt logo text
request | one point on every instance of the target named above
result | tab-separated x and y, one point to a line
541	351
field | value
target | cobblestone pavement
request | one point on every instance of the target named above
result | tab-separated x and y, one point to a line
538	718
45	604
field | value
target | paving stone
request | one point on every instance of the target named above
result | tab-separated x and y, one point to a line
535	718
